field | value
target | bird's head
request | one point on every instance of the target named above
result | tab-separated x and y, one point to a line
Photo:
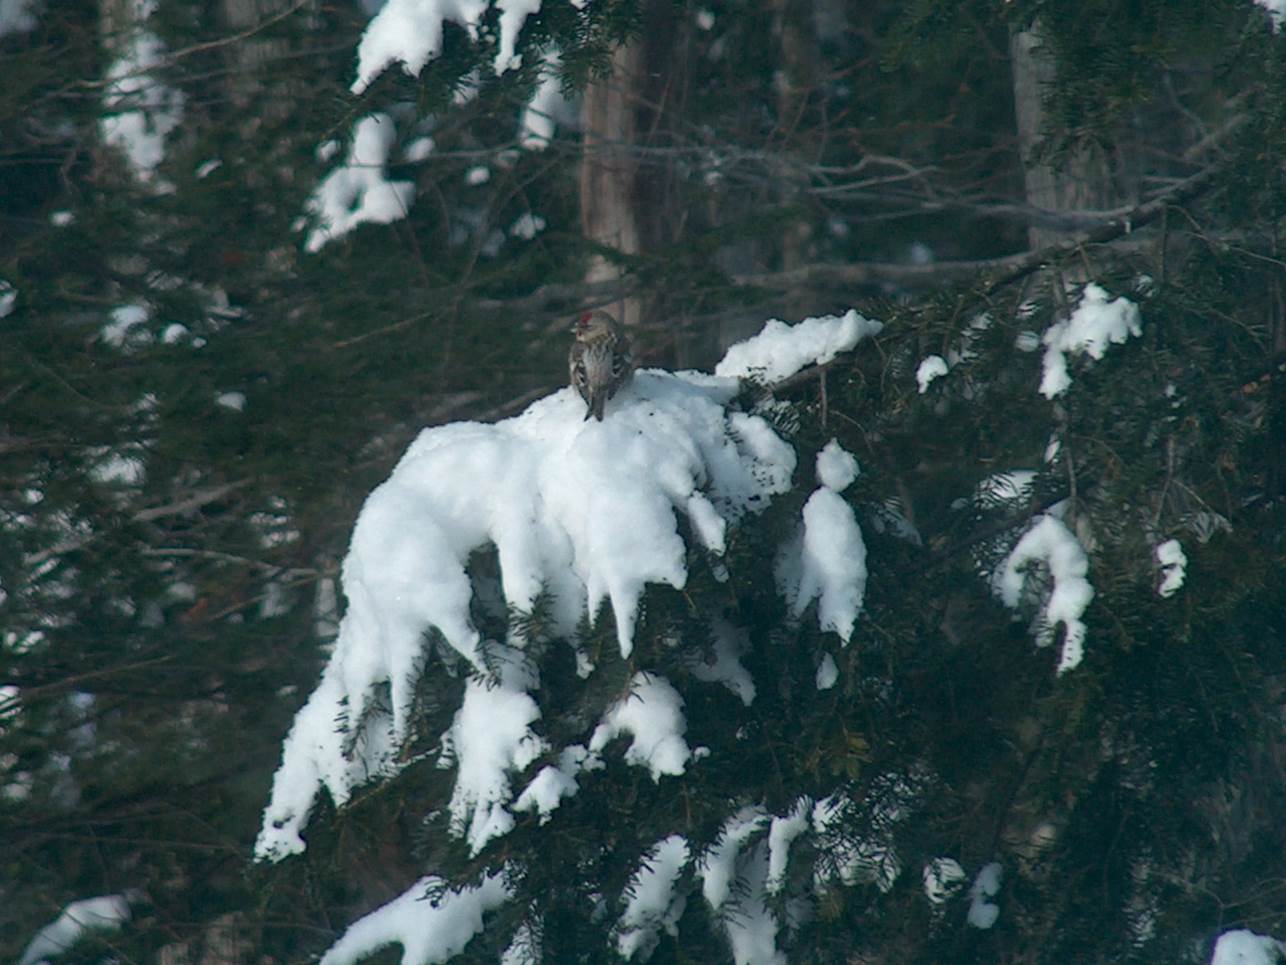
590	325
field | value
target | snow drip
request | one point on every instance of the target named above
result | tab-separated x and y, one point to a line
1052	543
827	561
583	511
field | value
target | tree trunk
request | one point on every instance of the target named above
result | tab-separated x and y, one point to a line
625	205
1083	181
609	171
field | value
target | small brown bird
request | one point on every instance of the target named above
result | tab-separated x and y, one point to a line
599	361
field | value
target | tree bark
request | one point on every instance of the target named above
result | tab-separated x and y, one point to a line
1083	180
625	205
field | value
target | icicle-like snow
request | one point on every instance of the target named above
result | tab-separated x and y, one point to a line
653	904
735	880
1050	542
489	738
827	561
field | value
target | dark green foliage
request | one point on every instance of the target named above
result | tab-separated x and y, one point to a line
159	631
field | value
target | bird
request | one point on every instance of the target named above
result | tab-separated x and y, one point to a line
599	361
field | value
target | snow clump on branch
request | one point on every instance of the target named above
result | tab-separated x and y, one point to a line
579	514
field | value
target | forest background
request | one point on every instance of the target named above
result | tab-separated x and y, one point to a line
242	265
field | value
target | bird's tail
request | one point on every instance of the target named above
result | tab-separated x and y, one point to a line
595	408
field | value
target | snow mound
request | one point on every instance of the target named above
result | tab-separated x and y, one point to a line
430	928
140	111
781	350
1244	947
583	511
1095	324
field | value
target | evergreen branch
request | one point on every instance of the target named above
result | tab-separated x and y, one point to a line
189	504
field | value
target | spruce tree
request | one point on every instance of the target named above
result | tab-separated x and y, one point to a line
200	390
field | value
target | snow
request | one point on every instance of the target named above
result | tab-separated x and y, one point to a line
122	331
836	468
1244	947
781	833
1050	542
357	192
206	168
409	32
982	911
17	16
653	715
718	866
429	929
751	927
547	108
728	643
419	150
827	672
930	368
236	401
736	879
118	468
1276	12
1173	566
781	350
78	918
580	514
942	879
1096	323
490	736
586	511
8	298
827	562
653	904
548	788
1012	488
61	219
477	175
527	226
139	110
513	14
